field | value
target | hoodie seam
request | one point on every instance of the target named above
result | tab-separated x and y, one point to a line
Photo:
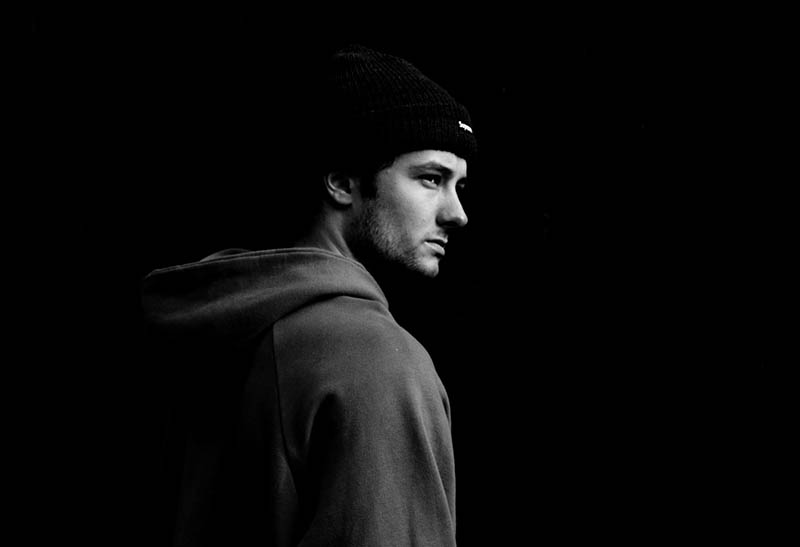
284	443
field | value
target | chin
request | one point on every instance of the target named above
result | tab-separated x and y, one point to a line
428	267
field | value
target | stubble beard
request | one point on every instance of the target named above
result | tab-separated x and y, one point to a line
381	250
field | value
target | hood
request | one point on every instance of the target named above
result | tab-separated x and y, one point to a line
237	294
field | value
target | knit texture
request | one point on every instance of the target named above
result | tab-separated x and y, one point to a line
378	106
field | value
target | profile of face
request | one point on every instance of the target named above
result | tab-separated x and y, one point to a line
414	207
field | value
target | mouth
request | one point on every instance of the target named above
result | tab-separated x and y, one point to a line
437	245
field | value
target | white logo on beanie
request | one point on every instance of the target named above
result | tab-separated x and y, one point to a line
464	126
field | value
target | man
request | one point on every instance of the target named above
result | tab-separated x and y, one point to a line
305	415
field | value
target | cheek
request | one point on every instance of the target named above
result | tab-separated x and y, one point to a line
411	214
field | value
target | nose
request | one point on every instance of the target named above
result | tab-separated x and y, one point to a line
451	213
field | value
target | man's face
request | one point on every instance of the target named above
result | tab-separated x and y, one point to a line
415	209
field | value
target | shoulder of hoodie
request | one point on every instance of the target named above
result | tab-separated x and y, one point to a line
348	336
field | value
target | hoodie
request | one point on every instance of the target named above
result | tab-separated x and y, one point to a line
301	412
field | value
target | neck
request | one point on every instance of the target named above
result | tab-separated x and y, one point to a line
326	233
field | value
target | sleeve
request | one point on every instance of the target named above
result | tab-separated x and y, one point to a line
367	429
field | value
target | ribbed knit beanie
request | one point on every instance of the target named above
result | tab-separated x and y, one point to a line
377	106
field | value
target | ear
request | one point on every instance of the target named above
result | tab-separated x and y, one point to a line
340	187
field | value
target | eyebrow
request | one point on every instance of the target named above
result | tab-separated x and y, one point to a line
434	166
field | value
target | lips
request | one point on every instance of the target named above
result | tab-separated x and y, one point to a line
437	245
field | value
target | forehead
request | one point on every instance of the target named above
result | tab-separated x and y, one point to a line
432	158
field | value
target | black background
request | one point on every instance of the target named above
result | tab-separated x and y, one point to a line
596	375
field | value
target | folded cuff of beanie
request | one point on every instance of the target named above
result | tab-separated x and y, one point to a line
396	136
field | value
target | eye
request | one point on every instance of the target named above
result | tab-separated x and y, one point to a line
431	180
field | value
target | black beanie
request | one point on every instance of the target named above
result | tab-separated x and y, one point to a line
377	106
